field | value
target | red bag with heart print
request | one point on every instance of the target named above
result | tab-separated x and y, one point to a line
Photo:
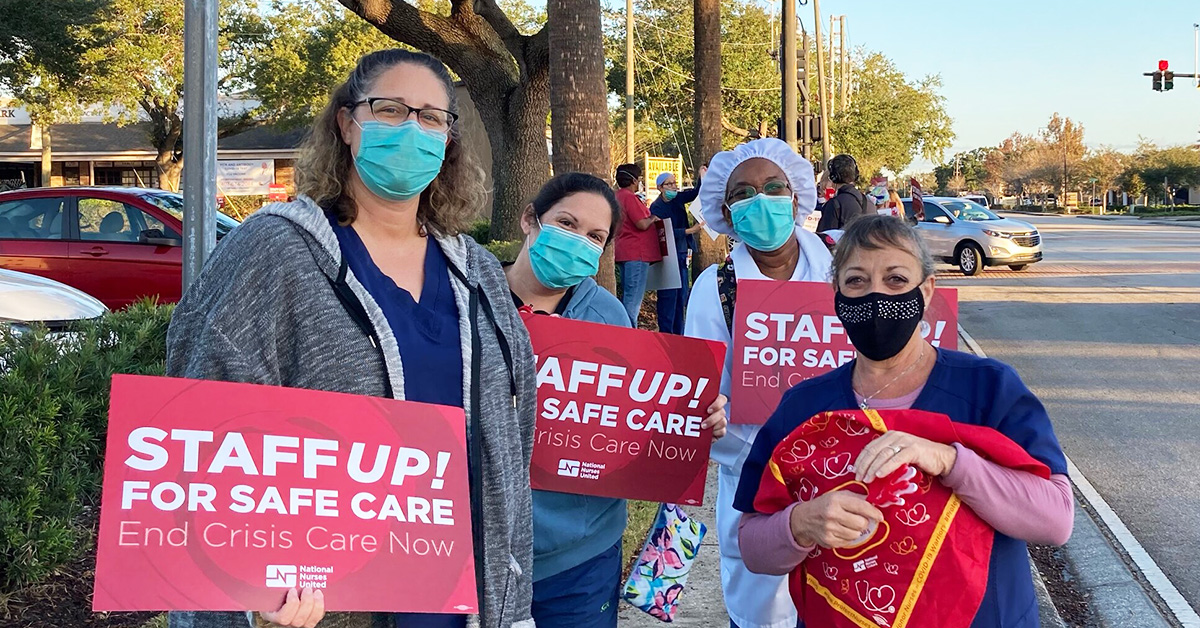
926	564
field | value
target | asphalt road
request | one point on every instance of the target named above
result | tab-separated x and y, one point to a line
1106	331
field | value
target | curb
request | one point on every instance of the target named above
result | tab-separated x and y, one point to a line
1099	554
1194	224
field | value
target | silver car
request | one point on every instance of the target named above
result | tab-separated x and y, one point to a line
29	299
968	235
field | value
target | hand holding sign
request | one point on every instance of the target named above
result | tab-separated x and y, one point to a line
301	609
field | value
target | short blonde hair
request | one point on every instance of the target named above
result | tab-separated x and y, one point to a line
446	206
880	232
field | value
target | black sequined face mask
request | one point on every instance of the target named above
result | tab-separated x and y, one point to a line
879	325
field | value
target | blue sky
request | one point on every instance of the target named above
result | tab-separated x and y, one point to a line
1007	66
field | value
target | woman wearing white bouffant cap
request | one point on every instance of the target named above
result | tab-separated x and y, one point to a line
759	193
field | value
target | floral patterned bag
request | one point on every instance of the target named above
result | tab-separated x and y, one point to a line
657	580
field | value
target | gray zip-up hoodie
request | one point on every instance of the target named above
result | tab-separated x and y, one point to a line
277	305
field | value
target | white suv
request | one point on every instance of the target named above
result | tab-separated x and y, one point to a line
968	235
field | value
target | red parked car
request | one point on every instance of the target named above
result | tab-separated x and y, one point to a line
116	244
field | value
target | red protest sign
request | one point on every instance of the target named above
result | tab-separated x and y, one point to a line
222	496
787	331
619	410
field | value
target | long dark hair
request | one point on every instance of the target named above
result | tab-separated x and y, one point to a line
325	161
566	184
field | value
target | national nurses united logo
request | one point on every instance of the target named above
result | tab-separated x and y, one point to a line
281	576
568	468
289	576
579	469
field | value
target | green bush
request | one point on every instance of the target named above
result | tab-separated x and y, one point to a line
504	251
1166	210
481	230
53	413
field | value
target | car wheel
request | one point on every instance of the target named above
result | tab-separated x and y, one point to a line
970	259
1018	267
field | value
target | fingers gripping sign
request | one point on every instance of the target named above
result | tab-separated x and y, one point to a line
300	609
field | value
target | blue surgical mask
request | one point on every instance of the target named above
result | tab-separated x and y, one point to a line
764	222
561	258
670	194
398	162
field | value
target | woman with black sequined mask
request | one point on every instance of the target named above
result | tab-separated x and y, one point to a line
883	277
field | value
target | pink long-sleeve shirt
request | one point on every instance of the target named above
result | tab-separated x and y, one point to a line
1002	497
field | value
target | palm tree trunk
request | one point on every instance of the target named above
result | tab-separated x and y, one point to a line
578	98
707	27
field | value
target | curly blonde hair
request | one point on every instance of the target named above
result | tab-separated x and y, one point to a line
325	161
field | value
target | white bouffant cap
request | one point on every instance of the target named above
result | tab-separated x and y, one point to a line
798	170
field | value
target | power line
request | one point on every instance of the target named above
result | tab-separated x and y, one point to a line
670	122
685	145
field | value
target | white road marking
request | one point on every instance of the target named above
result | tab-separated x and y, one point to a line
1174	600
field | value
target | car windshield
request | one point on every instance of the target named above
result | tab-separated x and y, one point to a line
173	204
963	209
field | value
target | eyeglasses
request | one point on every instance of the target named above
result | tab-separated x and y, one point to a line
394	113
772	188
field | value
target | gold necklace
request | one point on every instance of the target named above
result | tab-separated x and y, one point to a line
866	405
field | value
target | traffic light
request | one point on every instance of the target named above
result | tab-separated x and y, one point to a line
1163	65
1168	81
1158	81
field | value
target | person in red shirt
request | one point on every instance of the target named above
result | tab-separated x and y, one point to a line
637	240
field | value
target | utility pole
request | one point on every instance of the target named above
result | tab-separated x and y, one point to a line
787	67
199	135
629	158
1196	58
47	156
825	150
805	98
845	64
833	71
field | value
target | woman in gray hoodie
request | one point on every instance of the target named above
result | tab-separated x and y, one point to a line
366	285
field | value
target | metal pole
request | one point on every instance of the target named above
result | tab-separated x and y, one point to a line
1196	59
199	135
47	156
845	64
821	91
788	74
629	61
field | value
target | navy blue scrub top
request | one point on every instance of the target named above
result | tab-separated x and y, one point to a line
426	332
676	210
430	347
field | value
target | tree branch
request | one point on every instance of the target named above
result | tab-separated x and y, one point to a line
228	127
513	40
536	52
406	23
736	130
